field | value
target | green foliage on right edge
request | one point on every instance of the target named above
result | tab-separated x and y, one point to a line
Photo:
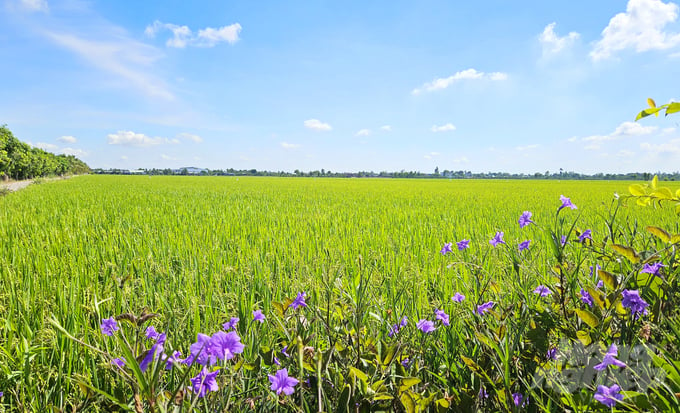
670	108
19	160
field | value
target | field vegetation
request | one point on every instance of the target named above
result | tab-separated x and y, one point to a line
337	295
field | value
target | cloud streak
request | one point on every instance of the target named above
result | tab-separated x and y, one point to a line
468	74
317	125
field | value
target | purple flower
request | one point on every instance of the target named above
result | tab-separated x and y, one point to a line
204	382
563	240
610	359
525	219
397	327
458	297
497	239
608	395
586	297
282	383
542	290
463	244
109	326
600	284
151	333
231	324
200	351
446	248
276	361
225	346
524	245
405	362
518	398
442	316
551	354
632	300
484	308
284	351
1	394
652	269
585	235
118	362
258	316
595	269
151	355
171	360
426	326
566	202
482	393
299	301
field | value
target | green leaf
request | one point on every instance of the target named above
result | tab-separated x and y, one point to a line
407	383
598	297
659	233
382	396
608	278
343	402
648	112
627	252
663	193
636	190
584	337
655	182
588	317
673	108
651	103
409	404
675	239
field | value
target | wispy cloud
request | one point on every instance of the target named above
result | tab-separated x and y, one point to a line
67	139
129	138
386	128
363	132
286	145
552	43
526	147
190	137
45	146
183	36
34	5
317	125
468	74
594	142
443	128
78	153
640	28
431	155
670	147
119	56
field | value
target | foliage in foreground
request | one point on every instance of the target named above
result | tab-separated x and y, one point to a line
593	328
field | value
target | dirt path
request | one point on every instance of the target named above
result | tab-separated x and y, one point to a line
15	186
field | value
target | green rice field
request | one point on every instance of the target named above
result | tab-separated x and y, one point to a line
197	251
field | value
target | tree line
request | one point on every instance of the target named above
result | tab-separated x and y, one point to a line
19	160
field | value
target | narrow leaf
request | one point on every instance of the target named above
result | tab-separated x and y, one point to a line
627	252
651	103
659	233
588	317
608	278
673	108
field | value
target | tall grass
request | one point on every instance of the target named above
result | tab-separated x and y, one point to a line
200	250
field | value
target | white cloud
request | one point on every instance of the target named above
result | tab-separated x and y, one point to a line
190	137
130	138
78	153
67	139
386	128
34	5
363	132
167	157
183	36
468	74
286	145
460	160
317	125
122	57
640	28
526	147
443	128
552	43
431	155
45	146
624	129
670	147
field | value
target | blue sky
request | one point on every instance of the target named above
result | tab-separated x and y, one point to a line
528	86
